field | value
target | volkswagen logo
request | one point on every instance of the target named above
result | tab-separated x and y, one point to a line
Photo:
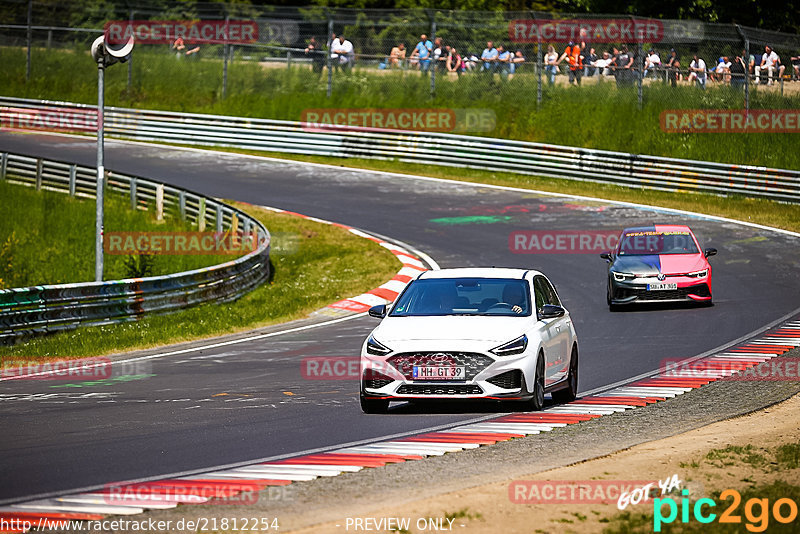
661	276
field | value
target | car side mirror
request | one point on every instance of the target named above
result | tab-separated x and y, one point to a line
606	256
378	311
709	252
551	311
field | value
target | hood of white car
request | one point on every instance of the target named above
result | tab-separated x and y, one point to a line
451	328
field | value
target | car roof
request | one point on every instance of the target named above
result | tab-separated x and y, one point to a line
480	272
659	228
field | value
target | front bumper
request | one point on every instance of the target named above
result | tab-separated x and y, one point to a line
692	290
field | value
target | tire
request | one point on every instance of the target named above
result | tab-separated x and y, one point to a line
569	393
536	402
375	406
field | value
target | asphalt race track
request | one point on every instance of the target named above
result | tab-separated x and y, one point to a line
249	401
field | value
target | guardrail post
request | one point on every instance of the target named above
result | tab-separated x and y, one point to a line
201	215
160	202
218	212
3	165
134	193
73	174
39	166
182	204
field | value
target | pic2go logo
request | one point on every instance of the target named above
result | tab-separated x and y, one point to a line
756	511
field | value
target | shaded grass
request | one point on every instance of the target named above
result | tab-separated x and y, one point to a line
48	238
314	265
593	116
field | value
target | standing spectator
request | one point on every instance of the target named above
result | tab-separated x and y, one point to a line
397	56
439	55
624	64
673	67
575	60
589	63
423	51
344	51
768	62
738	70
489	58
454	62
697	71
551	64
317	55
652	62
517	59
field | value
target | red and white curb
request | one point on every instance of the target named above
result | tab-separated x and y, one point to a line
386	293
226	484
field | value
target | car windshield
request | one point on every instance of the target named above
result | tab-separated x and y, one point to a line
646	242
464	296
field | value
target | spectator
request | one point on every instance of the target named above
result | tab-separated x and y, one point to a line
722	72
796	67
439	55
344	51
489	58
697	71
575	60
624	64
423	51
768	62
454	62
652	62
470	61
603	65
738	70
315	52
182	49
397	56
589	63
551	64
503	60
517	59
673	67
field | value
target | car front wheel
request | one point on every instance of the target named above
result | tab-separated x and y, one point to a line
374	405
536	403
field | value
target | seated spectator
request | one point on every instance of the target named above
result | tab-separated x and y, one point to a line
345	53
590	68
575	61
489	58
673	67
517	59
738	70
397	56
722	72
470	61
503	60
603	64
182	49
796	67
439	55
551	64
454	62
769	61
335	43
652	63
423	51
697	71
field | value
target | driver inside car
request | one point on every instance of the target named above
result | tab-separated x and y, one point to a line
514	295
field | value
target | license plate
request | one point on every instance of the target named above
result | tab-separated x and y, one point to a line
424	372
661	287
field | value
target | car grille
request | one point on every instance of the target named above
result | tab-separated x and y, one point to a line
472	362
439	389
681	293
508	380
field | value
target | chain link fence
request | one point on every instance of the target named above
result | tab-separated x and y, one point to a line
461	59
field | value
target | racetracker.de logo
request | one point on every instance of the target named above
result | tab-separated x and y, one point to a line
48	119
730	121
337	367
589	30
562	241
398	119
183	492
179	243
738	368
191	31
83	369
573	491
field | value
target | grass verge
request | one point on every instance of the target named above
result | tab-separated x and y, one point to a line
314	264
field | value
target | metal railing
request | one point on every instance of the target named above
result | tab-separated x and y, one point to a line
43	309
632	170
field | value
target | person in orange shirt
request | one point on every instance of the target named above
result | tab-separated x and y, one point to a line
574	58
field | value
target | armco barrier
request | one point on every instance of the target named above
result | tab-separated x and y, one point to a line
42	309
633	170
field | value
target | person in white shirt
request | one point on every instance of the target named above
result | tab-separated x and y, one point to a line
344	50
335	43
652	61
723	70
769	61
697	72
602	64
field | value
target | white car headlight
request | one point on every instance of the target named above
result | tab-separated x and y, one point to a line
512	348
698	274
376	348
621	277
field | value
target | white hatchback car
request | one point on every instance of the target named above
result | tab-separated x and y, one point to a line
471	333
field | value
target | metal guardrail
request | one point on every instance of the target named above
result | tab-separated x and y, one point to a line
633	170
49	308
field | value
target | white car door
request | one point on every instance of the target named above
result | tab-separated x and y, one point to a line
548	330
561	349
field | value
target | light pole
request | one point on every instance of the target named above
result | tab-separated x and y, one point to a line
105	57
